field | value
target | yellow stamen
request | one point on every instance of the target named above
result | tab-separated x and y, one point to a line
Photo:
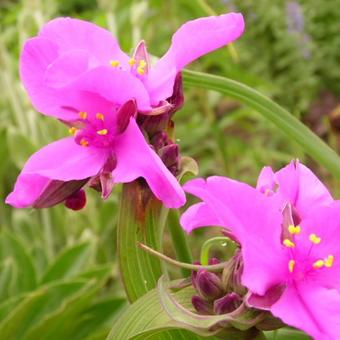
84	143
72	130
83	115
318	264
114	63
142	63
291	265
100	116
288	243
140	70
314	239
132	61
294	230
329	261
102	132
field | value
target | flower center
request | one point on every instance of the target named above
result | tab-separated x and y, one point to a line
93	130
137	67
301	265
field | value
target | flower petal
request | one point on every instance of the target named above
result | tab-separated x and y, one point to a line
324	221
199	215
298	185
65	160
192	40
135	158
256	223
311	308
69	34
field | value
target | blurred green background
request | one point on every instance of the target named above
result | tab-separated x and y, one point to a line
58	273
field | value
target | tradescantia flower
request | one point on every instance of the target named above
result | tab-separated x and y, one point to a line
290	270
75	71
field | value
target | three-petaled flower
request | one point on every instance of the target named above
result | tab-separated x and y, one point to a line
290	269
75	71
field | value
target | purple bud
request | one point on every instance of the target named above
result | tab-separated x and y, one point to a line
208	285
227	303
76	201
177	98
202	306
57	191
214	261
159	140
125	112
170	155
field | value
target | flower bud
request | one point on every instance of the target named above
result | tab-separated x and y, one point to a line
170	156
202	306
76	201
208	285
227	303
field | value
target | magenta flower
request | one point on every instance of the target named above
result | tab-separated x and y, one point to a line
291	270
76	71
294	184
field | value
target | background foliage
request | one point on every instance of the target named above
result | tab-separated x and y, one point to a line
58	267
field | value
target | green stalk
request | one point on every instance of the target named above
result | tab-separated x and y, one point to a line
286	122
179	241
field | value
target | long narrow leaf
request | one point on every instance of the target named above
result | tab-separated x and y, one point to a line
286	122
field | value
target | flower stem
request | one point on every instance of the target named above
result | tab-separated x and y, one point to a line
179	241
219	240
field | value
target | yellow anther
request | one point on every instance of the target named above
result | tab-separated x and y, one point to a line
100	116
288	243
314	239
294	230
72	130
83	115
329	261
291	265
102	132
318	264
84	142
140	70
114	63
142	63
132	61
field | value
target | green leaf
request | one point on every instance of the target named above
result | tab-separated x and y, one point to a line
12	248
6	278
64	322
146	318
138	223
285	333
286	122
35	306
69	263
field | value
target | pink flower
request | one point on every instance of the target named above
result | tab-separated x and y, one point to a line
291	270
294	184
76	71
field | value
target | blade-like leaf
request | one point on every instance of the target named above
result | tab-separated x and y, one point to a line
138	223
35	305
284	334
12	247
286	122
69	263
146	319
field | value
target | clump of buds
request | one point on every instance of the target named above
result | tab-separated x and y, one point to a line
223	294
213	295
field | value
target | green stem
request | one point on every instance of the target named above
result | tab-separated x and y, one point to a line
286	122
179	241
220	240
189	266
